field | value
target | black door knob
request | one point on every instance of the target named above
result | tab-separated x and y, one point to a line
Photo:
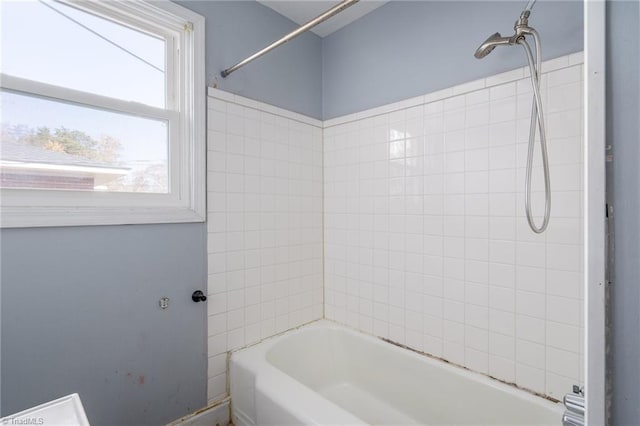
198	296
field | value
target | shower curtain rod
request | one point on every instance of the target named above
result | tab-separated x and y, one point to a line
312	23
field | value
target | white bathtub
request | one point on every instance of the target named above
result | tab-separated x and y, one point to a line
326	374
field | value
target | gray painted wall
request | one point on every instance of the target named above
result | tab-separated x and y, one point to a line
80	304
406	49
623	133
80	314
62	286
289	77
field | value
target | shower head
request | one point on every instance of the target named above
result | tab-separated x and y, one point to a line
490	44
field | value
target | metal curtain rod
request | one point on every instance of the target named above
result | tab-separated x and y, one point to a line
312	23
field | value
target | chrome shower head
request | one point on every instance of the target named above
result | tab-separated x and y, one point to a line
490	44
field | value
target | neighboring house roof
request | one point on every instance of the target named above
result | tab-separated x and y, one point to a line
19	152
19	159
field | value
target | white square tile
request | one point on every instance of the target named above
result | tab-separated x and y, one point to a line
433	306
217	283
477	115
565	97
566	151
564	124
576	58
530	353
502	368
477	249
454	268
472	86
453	289
502	157
477	182
557	386
432	286
564	283
568	177
502	227
477	316
504	77
531	304
502	322
502	110
502	251
217	344
563	363
476	360
530	279
530	378
216	324
502	181
566	337
563	310
503	204
454	352
217	387
235	319
454	162
564	76
564	257
433	107
502	91
433	345
502	346
217	365
454	139
476	205
502	298
556	63
502	275
530	328
477	293
453	247
524	101
454	226
476	160
453	312
476	226
454	183
453	120
477	137
454	103
531	254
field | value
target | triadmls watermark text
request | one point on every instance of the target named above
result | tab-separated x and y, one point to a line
23	421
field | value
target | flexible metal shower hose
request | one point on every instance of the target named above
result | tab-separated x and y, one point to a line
536	118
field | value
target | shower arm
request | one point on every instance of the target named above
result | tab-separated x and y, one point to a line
528	7
521	27
522	24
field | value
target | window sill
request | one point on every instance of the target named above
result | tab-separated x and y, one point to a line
28	217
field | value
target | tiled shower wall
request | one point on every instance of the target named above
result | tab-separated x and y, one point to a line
264	196
426	242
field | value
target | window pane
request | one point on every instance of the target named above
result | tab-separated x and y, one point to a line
57	44
53	145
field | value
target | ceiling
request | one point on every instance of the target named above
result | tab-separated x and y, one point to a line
302	11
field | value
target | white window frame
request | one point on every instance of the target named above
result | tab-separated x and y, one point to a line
185	112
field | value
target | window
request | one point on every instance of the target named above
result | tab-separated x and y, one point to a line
102	113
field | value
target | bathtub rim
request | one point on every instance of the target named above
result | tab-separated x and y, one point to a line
254	358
